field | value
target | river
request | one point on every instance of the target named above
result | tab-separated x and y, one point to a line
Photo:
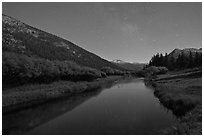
127	107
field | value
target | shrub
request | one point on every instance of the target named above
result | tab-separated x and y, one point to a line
156	70
110	71
22	69
162	70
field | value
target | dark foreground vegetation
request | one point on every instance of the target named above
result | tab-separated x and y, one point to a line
181	92
20	69
152	71
110	71
31	80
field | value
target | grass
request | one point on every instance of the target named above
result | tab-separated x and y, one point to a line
182	93
28	95
190	124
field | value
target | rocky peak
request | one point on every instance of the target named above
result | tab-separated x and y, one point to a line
176	52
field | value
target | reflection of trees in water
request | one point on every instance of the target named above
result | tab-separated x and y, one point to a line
23	120
149	84
20	121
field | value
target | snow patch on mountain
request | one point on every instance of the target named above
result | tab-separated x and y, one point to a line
118	61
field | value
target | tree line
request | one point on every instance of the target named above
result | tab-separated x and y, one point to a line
181	62
20	69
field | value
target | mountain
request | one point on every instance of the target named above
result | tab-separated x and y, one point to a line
21	38
118	61
178	59
176	52
129	66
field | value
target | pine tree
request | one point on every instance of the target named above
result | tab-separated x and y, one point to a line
178	61
171	63
190	65
182	64
157	59
200	60
161	60
196	60
165	60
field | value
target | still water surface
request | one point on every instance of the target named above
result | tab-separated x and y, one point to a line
128	107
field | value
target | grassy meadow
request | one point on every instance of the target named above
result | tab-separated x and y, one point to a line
181	92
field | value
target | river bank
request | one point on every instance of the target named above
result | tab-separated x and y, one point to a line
181	92
126	107
33	94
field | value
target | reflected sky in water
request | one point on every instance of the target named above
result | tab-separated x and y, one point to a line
129	107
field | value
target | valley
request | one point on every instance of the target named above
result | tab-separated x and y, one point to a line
51	85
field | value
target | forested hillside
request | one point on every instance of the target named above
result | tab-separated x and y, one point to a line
178	59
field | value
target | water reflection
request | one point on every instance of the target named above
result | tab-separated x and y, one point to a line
124	107
21	121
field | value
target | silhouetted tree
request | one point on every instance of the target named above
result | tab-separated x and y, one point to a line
191	60
182	61
165	59
198	60
161	60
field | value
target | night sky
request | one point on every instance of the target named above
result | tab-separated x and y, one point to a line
128	31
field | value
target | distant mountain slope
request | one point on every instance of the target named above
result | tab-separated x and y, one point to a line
21	38
129	66
178	59
175	53
118	61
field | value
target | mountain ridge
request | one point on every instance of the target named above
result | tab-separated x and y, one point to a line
25	39
129	65
186	51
